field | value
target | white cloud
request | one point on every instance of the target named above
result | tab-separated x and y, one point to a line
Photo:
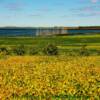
94	1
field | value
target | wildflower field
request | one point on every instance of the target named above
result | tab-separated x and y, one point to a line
66	69
50	78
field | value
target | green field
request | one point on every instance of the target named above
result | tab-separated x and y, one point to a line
64	43
58	40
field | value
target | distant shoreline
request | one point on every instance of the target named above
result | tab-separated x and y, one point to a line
76	27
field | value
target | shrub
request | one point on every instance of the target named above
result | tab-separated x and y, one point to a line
33	51
4	50
98	52
84	51
51	49
20	50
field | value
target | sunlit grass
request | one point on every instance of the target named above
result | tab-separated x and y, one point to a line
49	77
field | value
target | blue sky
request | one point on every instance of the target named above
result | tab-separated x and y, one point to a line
49	12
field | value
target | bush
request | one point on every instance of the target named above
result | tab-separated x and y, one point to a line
51	49
33	51
4	50
20	50
84	51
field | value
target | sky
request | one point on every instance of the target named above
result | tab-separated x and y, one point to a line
49	13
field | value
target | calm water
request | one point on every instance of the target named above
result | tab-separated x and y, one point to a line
17	32
32	32
83	31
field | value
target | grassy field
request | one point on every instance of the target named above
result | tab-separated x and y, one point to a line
64	43
58	40
60	77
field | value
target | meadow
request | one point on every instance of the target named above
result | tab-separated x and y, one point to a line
75	40
66	44
65	76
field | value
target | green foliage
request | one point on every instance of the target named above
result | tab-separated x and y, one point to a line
98	52
33	51
84	51
51	49
4	50
20	50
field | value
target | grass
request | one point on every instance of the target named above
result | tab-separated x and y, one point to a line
64	43
58	40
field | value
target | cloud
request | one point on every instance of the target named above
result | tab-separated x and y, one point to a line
35	15
84	11
44	10
89	1
64	16
14	6
94	1
59	4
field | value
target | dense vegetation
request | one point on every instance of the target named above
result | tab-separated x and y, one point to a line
50	68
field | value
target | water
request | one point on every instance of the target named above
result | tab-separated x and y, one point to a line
32	32
81	31
17	32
